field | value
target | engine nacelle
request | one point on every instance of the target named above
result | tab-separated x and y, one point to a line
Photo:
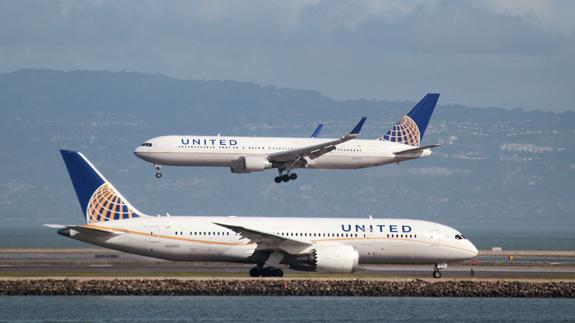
329	259
248	164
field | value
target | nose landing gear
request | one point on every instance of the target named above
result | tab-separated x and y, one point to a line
437	270
157	169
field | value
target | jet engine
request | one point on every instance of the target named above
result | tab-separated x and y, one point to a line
248	164
331	259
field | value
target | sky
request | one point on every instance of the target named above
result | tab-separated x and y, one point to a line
514	53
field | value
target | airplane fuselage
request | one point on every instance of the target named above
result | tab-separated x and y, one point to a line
254	154
224	151
195	238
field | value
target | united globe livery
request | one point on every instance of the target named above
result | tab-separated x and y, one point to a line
336	245
254	154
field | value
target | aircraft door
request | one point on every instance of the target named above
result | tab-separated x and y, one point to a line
153	237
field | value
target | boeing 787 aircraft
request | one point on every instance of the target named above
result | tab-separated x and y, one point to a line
253	154
308	244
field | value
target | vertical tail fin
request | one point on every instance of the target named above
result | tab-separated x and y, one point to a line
410	129
99	199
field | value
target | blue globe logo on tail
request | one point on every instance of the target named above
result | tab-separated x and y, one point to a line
405	131
411	128
98	198
106	205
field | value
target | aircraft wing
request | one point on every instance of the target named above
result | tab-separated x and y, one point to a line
414	150
261	237
314	151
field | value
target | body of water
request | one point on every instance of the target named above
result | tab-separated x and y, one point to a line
281	309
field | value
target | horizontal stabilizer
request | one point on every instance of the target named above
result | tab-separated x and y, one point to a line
415	150
55	226
71	230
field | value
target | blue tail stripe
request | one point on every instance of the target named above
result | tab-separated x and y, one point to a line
421	112
84	178
99	200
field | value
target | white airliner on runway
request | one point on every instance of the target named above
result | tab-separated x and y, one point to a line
309	244
253	154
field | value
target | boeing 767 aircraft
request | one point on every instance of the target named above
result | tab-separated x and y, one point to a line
253	154
309	244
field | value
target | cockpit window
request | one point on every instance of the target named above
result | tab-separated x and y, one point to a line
459	237
147	144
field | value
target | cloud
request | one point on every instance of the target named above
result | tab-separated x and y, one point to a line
484	52
557	16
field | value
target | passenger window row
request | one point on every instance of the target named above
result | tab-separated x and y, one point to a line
209	147
305	234
409	236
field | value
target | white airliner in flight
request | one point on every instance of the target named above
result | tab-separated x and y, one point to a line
253	154
307	244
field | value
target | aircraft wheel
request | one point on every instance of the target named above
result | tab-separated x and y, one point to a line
158	175
278	179
293	176
267	272
285	178
277	273
437	274
255	272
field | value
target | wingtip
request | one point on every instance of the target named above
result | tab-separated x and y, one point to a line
358	127
317	130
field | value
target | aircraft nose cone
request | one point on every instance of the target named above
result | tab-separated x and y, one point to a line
473	250
138	151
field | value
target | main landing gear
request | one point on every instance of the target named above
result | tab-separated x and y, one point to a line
157	169
437	270
266	272
285	177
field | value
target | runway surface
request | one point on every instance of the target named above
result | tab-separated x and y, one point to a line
95	262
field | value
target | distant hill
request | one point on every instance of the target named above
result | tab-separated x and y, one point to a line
498	168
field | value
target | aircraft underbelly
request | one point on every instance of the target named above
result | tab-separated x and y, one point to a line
397	251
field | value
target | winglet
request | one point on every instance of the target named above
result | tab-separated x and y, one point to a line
317	130
358	126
